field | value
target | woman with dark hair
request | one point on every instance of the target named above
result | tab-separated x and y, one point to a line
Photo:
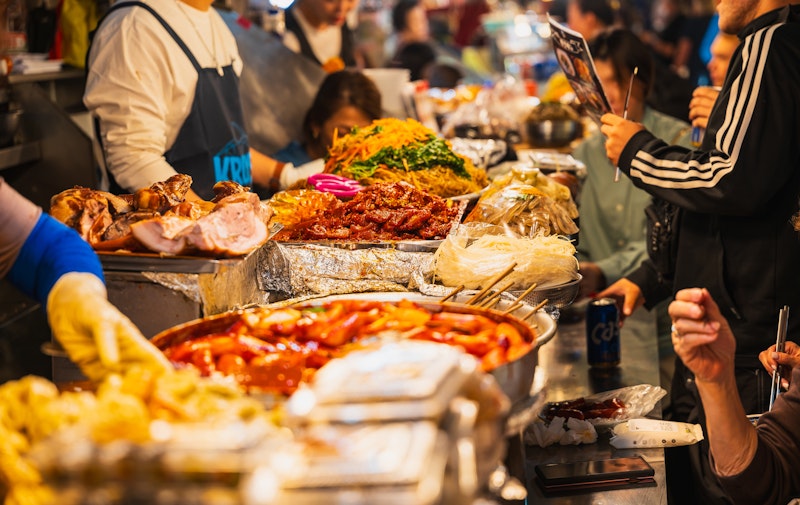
613	220
589	17
345	100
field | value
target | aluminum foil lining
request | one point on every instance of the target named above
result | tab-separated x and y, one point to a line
233	286
308	269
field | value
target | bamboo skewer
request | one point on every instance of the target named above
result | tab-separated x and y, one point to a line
453	293
526	292
536	309
480	294
495	297
513	307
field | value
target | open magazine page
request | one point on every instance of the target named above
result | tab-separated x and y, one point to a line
572	53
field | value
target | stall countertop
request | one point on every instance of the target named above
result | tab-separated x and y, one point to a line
568	376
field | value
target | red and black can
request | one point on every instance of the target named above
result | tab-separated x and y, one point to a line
602	333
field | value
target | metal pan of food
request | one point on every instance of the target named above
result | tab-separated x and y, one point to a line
514	377
272	349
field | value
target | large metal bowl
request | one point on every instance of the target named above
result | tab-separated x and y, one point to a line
553	132
515	378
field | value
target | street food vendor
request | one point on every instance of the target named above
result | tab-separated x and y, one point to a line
318	30
162	86
51	263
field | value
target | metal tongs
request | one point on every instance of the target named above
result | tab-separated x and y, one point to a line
780	341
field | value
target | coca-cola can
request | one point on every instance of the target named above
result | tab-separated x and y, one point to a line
602	333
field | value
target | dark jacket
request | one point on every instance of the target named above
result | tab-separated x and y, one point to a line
740	190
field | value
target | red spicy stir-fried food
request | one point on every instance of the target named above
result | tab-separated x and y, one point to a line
275	349
395	211
583	409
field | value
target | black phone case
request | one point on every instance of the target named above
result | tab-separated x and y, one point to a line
598	473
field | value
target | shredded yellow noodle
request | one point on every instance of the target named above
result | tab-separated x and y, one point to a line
368	143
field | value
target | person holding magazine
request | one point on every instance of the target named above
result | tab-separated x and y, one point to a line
737	193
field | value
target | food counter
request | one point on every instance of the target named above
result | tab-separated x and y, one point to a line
568	376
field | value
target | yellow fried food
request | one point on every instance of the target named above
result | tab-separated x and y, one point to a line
123	408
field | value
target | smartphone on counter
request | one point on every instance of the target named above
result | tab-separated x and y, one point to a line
597	474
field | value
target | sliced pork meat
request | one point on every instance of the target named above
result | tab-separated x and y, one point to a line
159	219
121	227
88	211
164	234
235	227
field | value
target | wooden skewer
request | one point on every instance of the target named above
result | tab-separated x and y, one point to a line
536	308
526	292
492	300
453	293
518	302
494	281
513	307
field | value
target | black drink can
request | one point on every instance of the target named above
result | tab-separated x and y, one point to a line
602	333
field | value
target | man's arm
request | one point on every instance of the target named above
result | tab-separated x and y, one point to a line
704	342
130	91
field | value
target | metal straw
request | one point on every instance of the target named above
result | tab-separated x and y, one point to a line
625	110
783	321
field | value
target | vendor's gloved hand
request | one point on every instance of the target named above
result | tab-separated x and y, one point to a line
96	335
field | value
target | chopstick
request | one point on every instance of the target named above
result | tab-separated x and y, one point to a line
780	341
453	293
495	297
526	292
480	294
536	309
625	110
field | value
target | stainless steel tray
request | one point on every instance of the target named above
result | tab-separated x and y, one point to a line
153	262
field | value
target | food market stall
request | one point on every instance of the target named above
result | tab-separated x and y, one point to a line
337	391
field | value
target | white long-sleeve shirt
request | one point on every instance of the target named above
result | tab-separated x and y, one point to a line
141	84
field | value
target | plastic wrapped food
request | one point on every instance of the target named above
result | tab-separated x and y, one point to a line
387	463
544	260
638	433
628	403
525	211
395	381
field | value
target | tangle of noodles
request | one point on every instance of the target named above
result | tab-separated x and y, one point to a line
546	260
393	150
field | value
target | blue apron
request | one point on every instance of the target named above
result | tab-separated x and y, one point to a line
211	145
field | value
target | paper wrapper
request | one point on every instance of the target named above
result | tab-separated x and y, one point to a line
308	269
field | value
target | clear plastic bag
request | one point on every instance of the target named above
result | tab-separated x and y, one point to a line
638	401
524	210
